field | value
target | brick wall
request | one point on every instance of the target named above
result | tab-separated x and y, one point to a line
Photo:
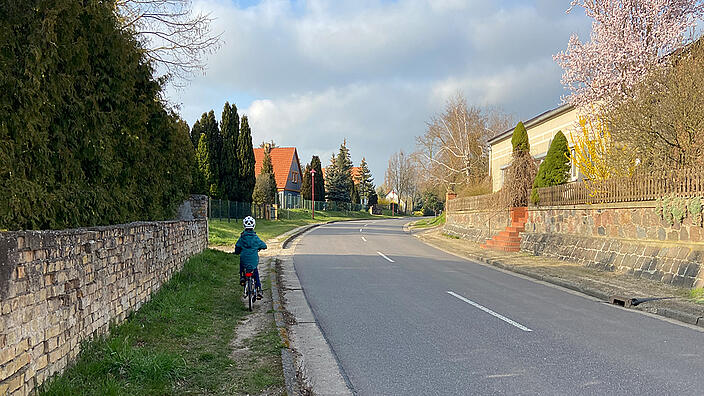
476	225
58	288
628	237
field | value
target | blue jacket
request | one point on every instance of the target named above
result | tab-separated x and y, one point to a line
248	247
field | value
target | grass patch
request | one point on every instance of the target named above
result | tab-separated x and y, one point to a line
224	233
697	295
430	222
177	343
450	236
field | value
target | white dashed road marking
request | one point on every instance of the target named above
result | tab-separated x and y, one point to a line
384	256
490	312
364	239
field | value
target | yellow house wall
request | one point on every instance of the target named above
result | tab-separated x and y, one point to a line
539	136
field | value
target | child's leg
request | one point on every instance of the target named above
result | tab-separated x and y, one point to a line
241	269
256	278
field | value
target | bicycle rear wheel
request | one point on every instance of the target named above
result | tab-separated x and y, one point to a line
250	292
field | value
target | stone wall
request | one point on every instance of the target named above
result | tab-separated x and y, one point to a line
476	225
58	288
627	237
195	207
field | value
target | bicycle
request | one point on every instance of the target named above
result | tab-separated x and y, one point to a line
250	291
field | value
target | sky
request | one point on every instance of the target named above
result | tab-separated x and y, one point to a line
312	73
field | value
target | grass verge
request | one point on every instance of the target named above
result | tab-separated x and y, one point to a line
450	236
697	295
430	222
178	342
224	233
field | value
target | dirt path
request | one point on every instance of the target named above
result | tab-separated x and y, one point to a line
256	344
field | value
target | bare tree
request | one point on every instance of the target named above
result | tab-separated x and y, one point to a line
661	122
173	37
401	175
454	150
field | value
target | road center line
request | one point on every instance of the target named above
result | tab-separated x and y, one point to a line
384	256
487	310
364	239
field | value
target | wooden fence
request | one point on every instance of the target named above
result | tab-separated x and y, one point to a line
479	202
685	183
650	187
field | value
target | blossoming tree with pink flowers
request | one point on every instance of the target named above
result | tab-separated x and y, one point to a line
628	38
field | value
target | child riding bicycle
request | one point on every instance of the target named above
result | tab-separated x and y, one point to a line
248	246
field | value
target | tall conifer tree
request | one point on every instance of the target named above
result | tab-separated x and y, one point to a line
339	179
196	131
245	154
229	163
203	159
366	181
306	183
213	142
344	164
319	179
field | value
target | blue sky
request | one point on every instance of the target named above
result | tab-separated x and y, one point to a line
310	73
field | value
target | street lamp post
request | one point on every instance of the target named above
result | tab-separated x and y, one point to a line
312	192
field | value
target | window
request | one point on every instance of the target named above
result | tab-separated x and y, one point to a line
573	165
502	174
294	177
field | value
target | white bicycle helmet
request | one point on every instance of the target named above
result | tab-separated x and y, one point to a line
249	222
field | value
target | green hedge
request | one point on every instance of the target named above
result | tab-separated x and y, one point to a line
84	137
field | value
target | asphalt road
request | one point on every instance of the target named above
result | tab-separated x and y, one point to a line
396	330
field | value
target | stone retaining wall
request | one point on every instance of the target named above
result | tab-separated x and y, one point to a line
629	237
476	225
58	288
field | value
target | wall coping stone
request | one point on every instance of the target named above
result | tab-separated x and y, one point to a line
612	205
83	230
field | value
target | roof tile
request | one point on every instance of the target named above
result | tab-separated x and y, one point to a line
281	159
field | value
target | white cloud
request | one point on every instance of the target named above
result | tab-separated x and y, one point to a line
313	72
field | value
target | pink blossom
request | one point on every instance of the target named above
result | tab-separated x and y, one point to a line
628	37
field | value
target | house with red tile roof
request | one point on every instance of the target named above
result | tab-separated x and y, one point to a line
287	169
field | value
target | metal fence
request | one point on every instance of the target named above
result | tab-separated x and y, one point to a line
683	182
224	209
297	202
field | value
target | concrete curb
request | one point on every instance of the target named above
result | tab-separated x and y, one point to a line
668	312
287	360
296	232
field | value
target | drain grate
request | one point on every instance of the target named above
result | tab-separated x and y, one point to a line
632	302
622	301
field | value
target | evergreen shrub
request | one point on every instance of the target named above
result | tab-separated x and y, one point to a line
84	137
554	169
